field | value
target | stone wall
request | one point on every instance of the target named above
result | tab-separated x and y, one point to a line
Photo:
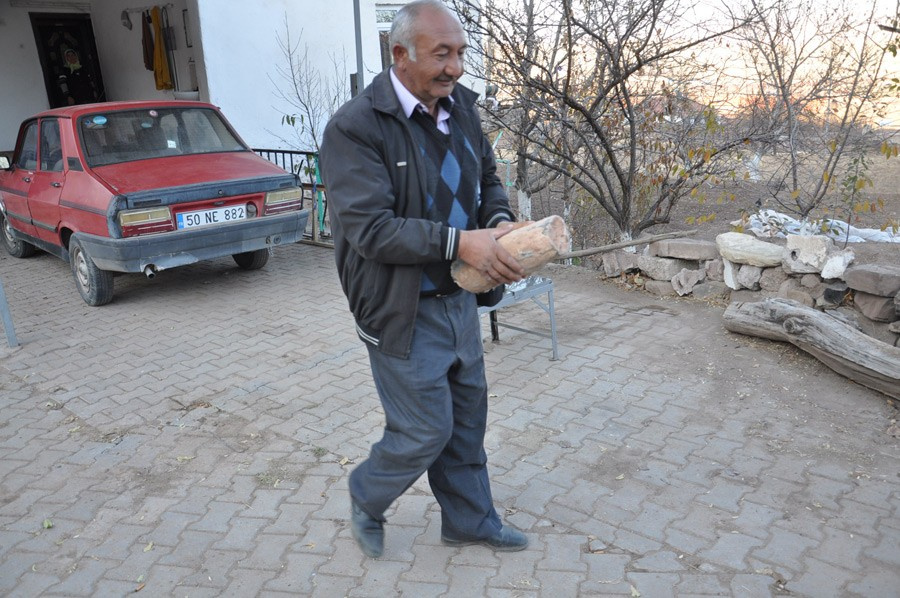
740	267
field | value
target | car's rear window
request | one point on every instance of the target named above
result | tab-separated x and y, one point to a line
125	136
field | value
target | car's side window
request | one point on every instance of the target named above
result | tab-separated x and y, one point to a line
27	159
51	146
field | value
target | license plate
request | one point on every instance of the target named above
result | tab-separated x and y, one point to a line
214	216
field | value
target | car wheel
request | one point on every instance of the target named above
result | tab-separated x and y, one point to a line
252	260
94	284
15	247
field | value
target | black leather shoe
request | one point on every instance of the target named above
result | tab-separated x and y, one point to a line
368	531
507	539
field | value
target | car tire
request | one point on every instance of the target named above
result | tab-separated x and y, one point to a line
252	260
15	247
94	285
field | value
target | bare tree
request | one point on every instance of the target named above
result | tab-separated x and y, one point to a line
598	93
311	95
818	86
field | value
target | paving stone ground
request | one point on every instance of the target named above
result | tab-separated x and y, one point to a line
193	438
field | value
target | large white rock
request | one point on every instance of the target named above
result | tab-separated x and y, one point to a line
739	248
837	263
729	274
806	254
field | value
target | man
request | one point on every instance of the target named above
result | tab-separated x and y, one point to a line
412	186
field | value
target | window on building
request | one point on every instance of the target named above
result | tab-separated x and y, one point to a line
384	16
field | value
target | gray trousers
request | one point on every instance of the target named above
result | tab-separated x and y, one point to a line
435	406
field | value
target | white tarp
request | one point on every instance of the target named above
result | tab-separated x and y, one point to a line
769	223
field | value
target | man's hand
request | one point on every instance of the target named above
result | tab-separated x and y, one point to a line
480	249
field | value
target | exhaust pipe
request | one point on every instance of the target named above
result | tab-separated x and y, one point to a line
150	271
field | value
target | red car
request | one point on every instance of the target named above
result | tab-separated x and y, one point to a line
141	187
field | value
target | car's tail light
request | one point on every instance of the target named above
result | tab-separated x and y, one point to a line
283	200
142	222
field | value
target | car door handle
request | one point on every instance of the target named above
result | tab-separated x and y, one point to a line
56	184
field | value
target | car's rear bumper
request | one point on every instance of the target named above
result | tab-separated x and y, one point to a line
179	248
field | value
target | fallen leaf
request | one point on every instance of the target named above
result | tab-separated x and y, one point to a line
47	524
184	458
635	593
620	477
344	461
139	588
148	547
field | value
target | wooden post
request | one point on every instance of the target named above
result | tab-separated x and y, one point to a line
7	319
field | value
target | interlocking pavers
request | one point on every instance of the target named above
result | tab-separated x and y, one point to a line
660	455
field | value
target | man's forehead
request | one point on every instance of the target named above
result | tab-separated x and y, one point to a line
439	27
447	39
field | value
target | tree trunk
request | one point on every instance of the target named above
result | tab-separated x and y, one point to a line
524	201
841	347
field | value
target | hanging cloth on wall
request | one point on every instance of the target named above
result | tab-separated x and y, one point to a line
160	61
147	40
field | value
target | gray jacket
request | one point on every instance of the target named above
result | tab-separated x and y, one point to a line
374	178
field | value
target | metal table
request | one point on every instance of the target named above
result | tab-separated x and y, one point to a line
532	288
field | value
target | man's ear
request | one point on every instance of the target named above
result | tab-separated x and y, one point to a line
400	54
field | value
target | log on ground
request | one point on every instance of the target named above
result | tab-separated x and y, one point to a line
846	350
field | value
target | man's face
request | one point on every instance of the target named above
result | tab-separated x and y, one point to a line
440	48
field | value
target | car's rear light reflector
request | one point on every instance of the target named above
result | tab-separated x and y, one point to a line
284	200
142	222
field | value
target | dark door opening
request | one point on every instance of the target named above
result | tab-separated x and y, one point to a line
68	55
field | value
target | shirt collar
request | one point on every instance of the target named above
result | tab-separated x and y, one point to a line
409	102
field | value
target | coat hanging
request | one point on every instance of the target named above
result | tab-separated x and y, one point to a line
147	40
160	61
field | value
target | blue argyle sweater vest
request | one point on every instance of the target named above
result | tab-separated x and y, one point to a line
452	190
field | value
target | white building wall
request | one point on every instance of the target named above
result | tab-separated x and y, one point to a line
22	90
241	55
122	55
235	50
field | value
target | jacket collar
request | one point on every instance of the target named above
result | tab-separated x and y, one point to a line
384	99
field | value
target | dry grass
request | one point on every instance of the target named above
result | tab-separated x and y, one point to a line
591	226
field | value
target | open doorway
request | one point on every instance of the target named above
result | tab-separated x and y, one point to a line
68	55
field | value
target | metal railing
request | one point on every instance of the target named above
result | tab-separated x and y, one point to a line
305	164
